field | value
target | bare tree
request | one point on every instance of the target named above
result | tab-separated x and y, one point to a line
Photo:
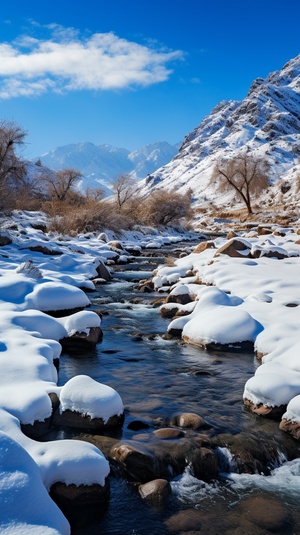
124	189
12	167
61	184
246	174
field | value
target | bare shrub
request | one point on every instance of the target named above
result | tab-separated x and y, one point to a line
163	207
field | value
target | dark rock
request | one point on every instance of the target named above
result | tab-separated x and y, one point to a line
204	464
156	492
257	454
189	520
293	428
80	501
275	413
181	299
103	272
77	420
44	250
5	239
265	512
81	341
38	429
137	425
138	463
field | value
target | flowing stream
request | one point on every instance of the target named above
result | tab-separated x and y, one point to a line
157	378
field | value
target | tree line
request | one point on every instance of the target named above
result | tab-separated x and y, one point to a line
71	210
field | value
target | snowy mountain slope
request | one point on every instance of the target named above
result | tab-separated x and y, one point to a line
100	164
266	123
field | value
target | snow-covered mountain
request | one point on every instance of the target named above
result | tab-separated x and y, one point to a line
100	164
266	123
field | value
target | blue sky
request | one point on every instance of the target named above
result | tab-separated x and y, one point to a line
132	72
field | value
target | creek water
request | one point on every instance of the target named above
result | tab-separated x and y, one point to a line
157	378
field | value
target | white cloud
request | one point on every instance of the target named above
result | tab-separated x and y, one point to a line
102	61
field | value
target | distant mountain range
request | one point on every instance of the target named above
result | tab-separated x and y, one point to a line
101	164
266	123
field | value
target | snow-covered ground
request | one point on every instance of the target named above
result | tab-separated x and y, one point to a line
251	297
40	273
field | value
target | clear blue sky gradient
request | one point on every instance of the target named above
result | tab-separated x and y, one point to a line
225	45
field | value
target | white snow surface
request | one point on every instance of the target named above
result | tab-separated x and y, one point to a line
86	396
31	284
248	299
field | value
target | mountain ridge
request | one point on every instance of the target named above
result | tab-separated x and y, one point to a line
266	123
101	164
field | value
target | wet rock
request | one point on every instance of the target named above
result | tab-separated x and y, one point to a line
155	492
137	425
75	501
265	512
168	433
204	464
275	413
188	420
189	520
102	442
138	463
78	420
103	272
256	454
293	428
81	341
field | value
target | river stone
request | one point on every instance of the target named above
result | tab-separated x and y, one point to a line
188	420
168	433
103	272
80	501
184	521
40	428
204	464
81	341
138	463
256	454
5	238
293	428
181	299
265	512
78	420
275	413
156	492
168	312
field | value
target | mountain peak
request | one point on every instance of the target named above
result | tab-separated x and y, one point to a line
265	123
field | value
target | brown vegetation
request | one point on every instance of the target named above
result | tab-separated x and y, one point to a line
246	174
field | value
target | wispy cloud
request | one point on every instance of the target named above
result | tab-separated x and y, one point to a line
66	62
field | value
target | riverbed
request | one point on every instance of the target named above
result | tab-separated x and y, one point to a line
157	378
